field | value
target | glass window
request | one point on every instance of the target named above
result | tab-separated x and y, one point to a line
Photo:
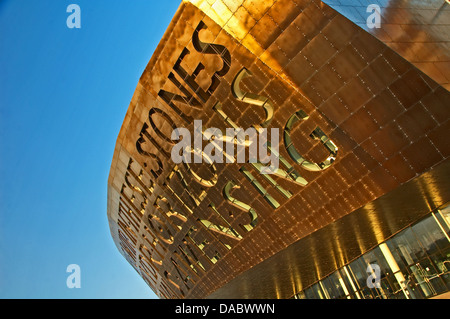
428	268
300	295
441	262
438	285
339	286
399	294
329	288
386	271
367	293
396	253
422	253
407	247
309	293
358	270
420	280
430	235
446	279
444	220
318	291
369	258
347	282
381	261
444	212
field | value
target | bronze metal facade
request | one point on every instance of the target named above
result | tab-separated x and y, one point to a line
336	91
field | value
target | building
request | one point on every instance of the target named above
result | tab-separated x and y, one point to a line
359	205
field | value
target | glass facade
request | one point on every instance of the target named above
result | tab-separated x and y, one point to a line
413	264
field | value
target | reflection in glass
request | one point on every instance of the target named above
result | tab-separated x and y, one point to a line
413	264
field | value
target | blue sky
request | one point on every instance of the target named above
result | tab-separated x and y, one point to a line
64	94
